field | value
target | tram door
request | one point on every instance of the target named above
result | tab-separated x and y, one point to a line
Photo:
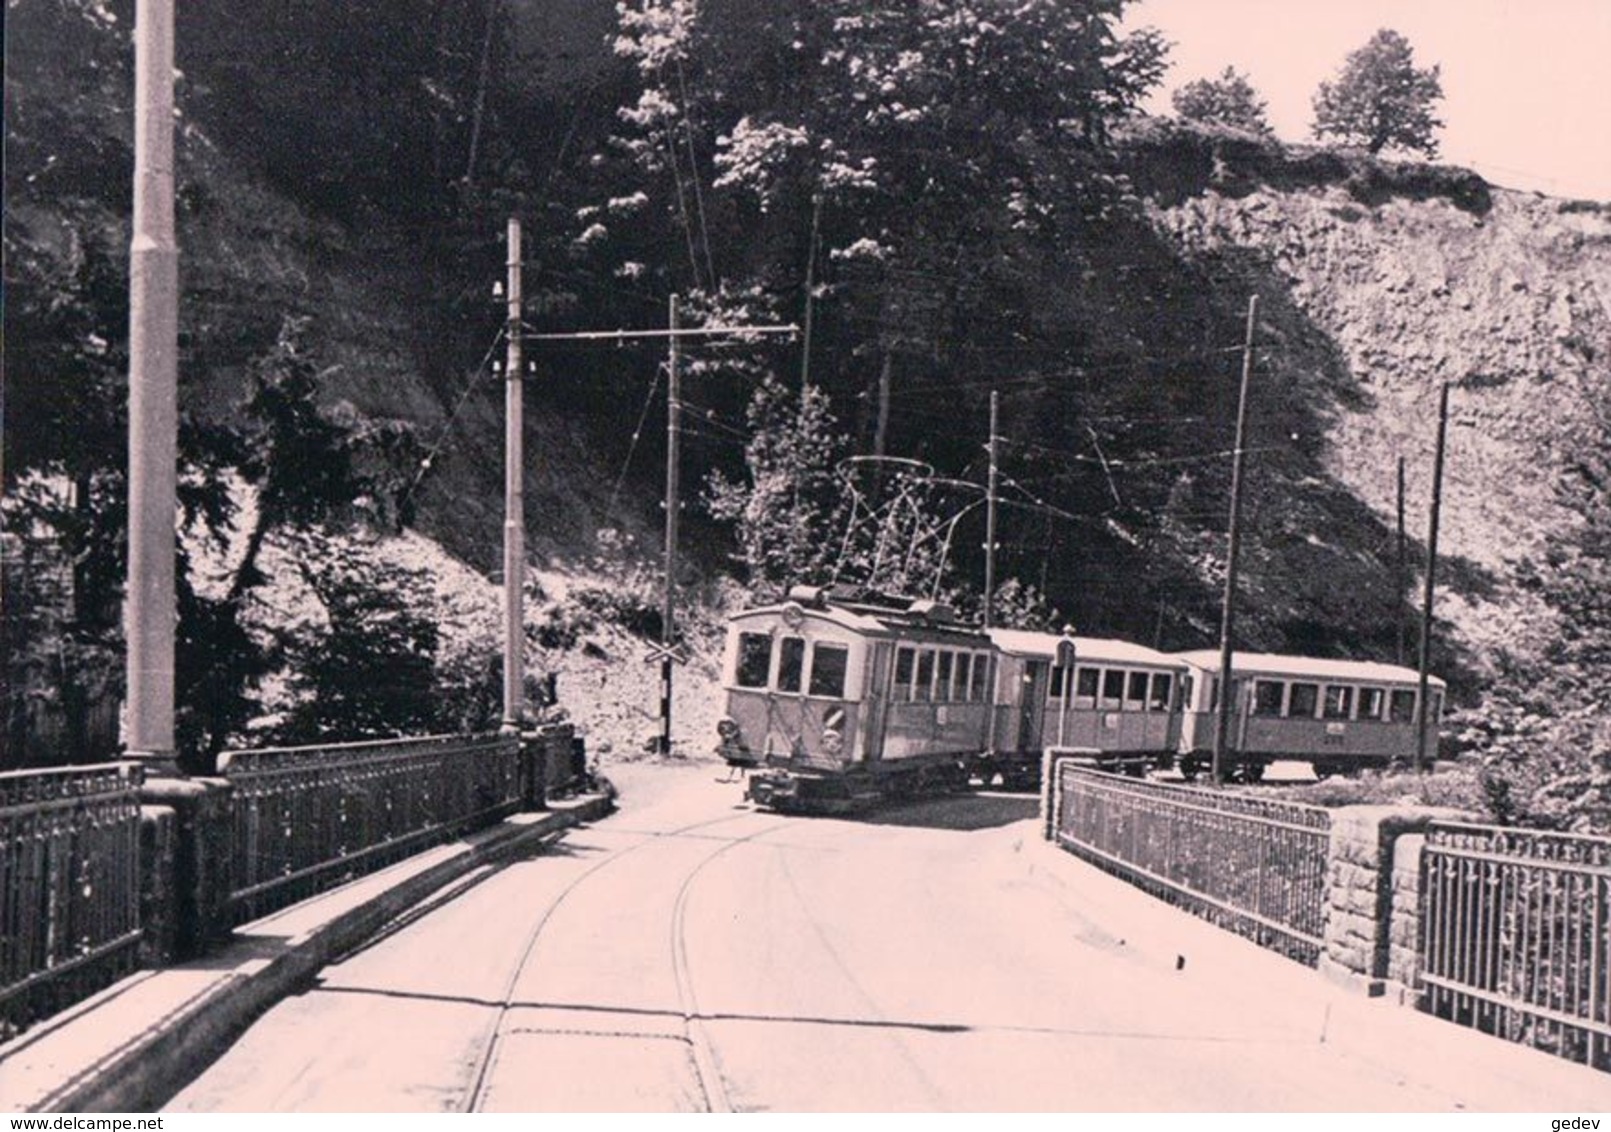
875	703
1032	704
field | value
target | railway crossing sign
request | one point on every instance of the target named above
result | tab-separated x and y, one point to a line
675	653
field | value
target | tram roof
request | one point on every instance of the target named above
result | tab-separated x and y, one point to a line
1022	642
1322	668
874	621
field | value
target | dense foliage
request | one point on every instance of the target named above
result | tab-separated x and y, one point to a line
1381	100
1226	100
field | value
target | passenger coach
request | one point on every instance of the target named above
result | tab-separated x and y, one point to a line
1340	715
1122	700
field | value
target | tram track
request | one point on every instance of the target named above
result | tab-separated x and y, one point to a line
712	1088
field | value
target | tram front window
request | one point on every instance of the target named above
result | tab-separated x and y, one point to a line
754	660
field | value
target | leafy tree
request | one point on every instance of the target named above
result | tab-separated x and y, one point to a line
365	666
1544	733
1228	100
791	508
1381	100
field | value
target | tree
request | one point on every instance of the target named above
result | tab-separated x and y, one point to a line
1381	100
788	514
1228	100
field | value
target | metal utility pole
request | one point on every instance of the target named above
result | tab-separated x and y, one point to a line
1431	575
1227	619
673	454
1398	567
514	521
990	517
153	396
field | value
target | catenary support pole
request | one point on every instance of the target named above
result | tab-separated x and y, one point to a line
668	613
1421	715
153	397
1398	569
1227	618
990	515
514	521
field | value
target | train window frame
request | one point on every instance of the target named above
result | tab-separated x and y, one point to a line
1312	689
1263	708
1166	701
1054	684
901	682
1343	708
1434	704
740	655
1396	697
944	667
1084	700
1110	702
1379	695
923	677
981	677
962	678
843	675
1132	700
797	664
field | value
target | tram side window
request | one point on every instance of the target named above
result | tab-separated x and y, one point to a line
828	666
903	674
923	689
1085	680
1305	697
1112	687
1054	686
942	682
1434	705
1267	696
1370	703
1401	707
1187	687
1163	685
964	661
791	664
1135	691
754	660
981	673
1339	701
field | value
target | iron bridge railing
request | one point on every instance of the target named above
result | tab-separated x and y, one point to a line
1253	866
69	886
307	819
1516	936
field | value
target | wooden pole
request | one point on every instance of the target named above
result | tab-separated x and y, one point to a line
1431	576
1227	620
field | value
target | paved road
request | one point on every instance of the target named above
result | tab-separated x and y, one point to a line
692	954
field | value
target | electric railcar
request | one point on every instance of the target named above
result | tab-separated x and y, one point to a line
1123	700
1338	715
838	703
838	699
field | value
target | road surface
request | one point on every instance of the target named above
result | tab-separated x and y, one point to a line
690	954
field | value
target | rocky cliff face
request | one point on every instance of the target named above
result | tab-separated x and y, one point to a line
1419	276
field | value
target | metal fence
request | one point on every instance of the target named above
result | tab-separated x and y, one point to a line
307	819
1516	936
1252	866
69	886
